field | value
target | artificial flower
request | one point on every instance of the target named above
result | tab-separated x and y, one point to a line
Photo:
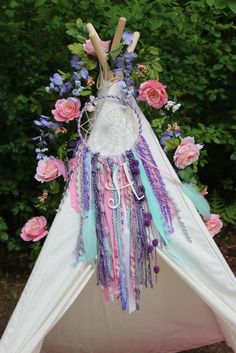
66	109
50	168
213	223
187	152
89	48
153	92
34	229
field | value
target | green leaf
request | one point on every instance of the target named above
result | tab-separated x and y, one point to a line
116	51
33	107
210	2
79	23
33	100
89	63
85	92
73	32
64	74
232	5
220	4
81	38
4	236
77	49
171	145
187	174
194	18
10	246
54	186
39	3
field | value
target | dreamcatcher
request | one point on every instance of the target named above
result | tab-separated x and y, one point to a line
119	189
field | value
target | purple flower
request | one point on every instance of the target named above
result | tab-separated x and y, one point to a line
76	62
129	57
166	135
127	38
84	73
44	121
36	137
124	66
119	61
117	71
57	79
122	83
65	88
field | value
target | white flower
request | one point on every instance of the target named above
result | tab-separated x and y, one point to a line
176	107
169	104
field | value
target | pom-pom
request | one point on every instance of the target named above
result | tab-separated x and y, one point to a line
155	242
149	248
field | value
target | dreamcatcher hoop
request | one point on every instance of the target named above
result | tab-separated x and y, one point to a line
118	99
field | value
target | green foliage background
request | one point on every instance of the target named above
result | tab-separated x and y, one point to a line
196	44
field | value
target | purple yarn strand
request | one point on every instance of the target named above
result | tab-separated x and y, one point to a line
144	151
102	267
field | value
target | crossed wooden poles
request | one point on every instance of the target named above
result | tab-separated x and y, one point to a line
102	57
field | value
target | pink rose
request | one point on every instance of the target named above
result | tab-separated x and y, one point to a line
187	152
66	109
34	229
50	168
89	48
153	92
213	223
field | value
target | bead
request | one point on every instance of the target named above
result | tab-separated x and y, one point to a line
135	170
149	248
141	188
147	216
147	222
156	268
155	242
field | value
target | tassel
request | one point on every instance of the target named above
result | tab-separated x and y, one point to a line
74	197
152	203
155	211
89	237
197	199
73	194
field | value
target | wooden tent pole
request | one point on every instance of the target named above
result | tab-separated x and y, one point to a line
132	46
102	57
118	33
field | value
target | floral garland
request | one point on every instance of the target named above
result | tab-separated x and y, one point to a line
57	141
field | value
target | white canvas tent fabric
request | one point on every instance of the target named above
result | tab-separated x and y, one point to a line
61	309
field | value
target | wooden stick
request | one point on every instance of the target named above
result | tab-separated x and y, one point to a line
101	55
132	46
118	33
91	30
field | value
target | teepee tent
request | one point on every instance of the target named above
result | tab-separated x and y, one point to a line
193	303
